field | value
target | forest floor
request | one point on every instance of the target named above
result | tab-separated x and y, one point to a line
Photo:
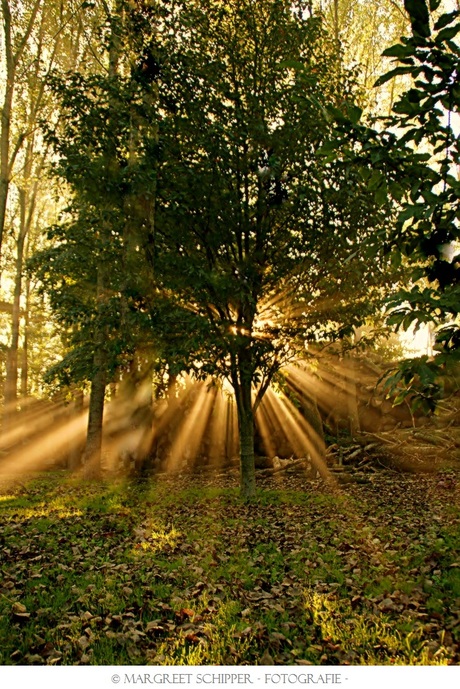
177	570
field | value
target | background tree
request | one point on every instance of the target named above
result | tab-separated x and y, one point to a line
91	272
363	30
38	38
415	159
428	228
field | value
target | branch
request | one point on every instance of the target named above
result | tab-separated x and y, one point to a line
401	11
7	32
263	388
28	31
19	142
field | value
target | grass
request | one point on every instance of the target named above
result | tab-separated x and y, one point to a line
185	574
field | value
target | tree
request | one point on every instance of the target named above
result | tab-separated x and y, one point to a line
428	229
42	36
261	245
91	271
15	46
364	29
416	156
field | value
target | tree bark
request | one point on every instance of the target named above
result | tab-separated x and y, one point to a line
93	447
336	22
13	55
25	345
246	432
247	462
6	118
27	205
11	381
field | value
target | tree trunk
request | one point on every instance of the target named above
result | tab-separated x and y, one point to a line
6	119
25	345
336	23
10	387
92	454
247	462
11	381
13	55
246	432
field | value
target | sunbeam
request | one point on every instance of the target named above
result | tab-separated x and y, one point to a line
46	450
190	433
300	434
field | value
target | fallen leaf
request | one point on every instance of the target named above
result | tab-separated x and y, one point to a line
18	608
266	659
83	642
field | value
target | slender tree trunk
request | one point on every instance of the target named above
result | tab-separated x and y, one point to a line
247	462
27	205
13	54
11	382
25	345
93	447
246	432
11	379
336	22
6	119
10	387
74	457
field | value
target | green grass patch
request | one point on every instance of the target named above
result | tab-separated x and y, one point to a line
152	573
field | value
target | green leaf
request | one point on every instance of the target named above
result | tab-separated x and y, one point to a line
292	64
399	51
333	114
419	17
396	191
381	196
354	113
376	180
448	33
396	259
399	399
392	73
445	19
327	148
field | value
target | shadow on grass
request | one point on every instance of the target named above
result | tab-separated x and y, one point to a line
143	572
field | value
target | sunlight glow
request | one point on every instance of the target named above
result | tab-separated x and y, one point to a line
46	450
